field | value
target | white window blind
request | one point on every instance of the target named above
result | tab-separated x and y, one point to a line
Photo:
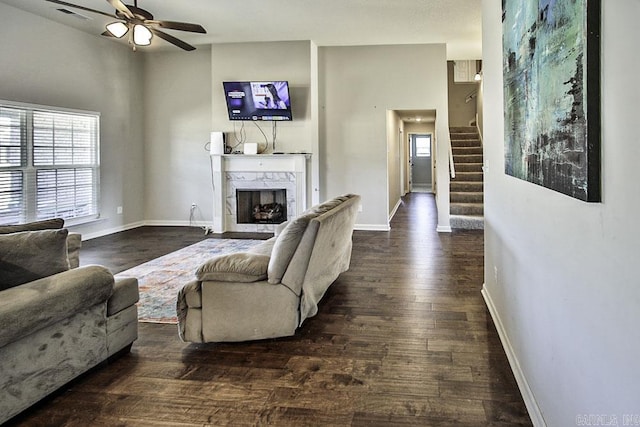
49	164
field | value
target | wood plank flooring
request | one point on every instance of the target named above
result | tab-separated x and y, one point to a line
401	339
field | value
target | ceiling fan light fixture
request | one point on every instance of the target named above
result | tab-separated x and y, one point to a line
117	29
141	35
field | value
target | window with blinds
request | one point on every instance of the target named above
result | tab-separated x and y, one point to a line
49	165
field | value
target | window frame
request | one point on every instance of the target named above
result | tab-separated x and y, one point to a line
30	171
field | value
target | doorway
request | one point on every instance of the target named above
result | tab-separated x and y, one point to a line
420	149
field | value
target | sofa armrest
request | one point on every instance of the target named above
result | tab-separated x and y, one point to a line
279	228
27	308
243	267
125	294
74	243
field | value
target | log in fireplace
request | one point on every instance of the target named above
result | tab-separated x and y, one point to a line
261	206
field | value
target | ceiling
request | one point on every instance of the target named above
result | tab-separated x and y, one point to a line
327	22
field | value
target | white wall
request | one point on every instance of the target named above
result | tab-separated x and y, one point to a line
358	85
51	64
480	108
560	273
177	119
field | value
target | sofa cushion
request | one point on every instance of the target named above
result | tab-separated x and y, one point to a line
43	302
285	246
263	248
47	224
239	267
329	204
74	243
30	255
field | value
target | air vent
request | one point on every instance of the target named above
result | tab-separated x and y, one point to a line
74	14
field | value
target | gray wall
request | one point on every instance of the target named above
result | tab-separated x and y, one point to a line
358	84
266	61
395	130
560	273
177	119
50	64
158	109
460	112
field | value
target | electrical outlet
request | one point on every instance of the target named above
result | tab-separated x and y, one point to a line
360	207
495	273
119	210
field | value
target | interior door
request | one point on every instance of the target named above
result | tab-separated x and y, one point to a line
421	179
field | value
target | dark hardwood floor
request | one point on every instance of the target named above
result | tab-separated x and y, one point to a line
402	338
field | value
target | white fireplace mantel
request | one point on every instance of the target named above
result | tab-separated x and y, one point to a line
259	171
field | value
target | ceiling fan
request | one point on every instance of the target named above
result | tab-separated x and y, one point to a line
139	24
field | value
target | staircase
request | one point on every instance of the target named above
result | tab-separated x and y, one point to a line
466	189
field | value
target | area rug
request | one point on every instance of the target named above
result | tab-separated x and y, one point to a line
160	279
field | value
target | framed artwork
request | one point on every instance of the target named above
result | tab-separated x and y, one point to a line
551	66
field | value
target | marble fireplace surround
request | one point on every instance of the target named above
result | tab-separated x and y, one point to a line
233	172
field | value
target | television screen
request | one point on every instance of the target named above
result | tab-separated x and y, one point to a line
265	100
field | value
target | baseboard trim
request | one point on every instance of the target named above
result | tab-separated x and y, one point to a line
527	395
161	223
395	209
372	227
443	229
164	223
101	233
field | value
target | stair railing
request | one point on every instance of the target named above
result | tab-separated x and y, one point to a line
452	166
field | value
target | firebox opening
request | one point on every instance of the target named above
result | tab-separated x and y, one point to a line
261	206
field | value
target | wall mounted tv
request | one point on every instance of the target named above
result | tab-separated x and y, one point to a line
263	100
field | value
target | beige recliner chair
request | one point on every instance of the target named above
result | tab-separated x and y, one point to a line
269	291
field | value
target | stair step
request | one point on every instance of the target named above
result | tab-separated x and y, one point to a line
466	150
467	222
468	167
468	176
463	135
467	158
466	197
475	187
463	129
466	208
465	142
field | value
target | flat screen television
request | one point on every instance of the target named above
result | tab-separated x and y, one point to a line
260	100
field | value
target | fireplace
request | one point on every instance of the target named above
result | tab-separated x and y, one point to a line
262	172
261	206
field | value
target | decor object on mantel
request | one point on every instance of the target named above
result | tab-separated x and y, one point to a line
270	290
139	24
58	320
160	279
551	62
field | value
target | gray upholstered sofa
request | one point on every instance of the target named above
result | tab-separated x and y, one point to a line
63	321
269	291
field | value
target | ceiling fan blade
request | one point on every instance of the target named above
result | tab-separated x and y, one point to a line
172	40
181	26
121	7
64	3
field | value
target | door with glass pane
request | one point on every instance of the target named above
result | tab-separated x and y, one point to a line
420	146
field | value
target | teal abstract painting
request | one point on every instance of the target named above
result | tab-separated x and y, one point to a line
551	69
